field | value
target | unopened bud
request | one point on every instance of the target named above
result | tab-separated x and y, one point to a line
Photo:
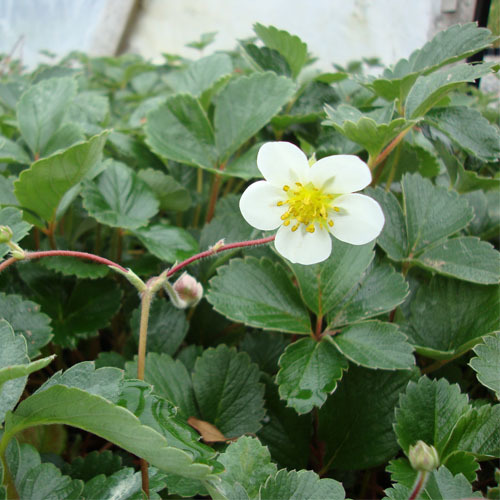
215	248
185	292
423	457
5	234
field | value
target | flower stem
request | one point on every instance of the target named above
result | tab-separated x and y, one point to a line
419	484
213	197
388	150
213	251
146	298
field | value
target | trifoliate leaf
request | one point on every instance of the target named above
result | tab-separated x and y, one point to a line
355	438
267	300
228	392
310	371
375	344
118	198
487	361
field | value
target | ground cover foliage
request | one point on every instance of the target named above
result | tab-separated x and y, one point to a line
284	381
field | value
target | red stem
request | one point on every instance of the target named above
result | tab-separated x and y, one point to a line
62	253
422	476
208	253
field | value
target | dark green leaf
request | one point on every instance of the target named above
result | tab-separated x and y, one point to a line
228	392
168	243
179	130
41	187
119	198
380	290
264	348
303	485
471	312
466	258
41	110
375	344
310	371
468	129
486	362
88	110
291	47
323	286
93	464
259	97
25	317
268	59
260	294
75	267
428	411
356	438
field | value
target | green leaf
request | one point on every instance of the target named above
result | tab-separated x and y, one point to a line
167	327
364	130
248	463
380	290
291	47
468	129
448	46
228	392
158	437
201	74
69	266
429	90
168	243
432	212
323	286
443	485
245	165
7	191
428	411
12	217
65	136
309	372
119	198
462	462
170	194
179	130
267	59
354	437
486	362
375	344
302	485
393	238
41	187
41	110
12	152
471	312
477	432
465	258
265	349
88	110
259	97
25	317
268	300
170	380
36	480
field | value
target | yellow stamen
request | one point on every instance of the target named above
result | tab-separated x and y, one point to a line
286	223
294	228
330	223
286	188
280	203
337	209
310	228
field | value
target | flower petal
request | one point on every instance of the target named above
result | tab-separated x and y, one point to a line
259	205
340	174
282	163
301	247
359	221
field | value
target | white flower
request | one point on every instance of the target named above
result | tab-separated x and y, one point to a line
308	203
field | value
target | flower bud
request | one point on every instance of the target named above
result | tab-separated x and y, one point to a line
5	234
185	292
423	457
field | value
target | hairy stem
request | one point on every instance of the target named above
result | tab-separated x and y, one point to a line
373	162
419	484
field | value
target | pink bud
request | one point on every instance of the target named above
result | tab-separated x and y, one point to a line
185	292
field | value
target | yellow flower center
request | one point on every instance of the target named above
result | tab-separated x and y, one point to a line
307	205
